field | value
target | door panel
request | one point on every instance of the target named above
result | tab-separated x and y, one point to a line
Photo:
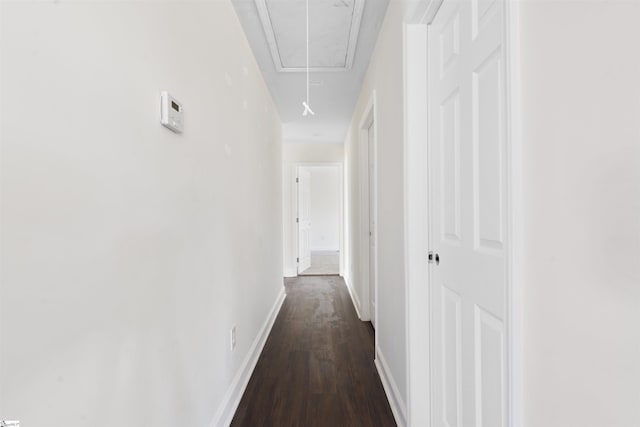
489	368
450	125
487	151
467	227
451	356
449	39
304	219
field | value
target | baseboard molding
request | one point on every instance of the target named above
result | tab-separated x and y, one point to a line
227	409
398	406
354	296
324	250
290	273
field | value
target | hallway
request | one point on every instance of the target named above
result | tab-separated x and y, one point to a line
317	366
206	206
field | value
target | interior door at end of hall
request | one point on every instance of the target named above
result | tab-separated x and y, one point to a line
468	229
304	219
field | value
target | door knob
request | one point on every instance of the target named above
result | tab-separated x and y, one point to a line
433	258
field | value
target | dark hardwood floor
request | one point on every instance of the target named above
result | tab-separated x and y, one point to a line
316	368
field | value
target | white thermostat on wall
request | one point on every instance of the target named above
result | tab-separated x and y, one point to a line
171	114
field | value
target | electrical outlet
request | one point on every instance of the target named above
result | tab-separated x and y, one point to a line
233	338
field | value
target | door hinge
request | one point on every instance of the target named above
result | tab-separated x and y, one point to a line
298	260
430	257
297	220
297	180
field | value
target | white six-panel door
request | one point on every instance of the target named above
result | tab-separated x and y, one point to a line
304	219
468	227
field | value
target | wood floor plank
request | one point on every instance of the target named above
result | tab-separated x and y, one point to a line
316	368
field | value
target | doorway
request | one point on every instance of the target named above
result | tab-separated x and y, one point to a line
465	354
369	153
368	210
469	219
318	220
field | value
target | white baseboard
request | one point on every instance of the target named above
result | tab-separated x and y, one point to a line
325	249
290	273
227	408
354	296
398	406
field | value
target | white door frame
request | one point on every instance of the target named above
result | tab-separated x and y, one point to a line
416	201
368	119
294	208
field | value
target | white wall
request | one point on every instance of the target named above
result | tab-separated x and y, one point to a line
125	247
581	139
294	154
581	172
325	209
385	77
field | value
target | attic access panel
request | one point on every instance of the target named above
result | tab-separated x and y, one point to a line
333	33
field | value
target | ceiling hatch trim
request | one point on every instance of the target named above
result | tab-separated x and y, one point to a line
267	25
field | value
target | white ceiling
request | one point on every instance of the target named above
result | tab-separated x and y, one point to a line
340	40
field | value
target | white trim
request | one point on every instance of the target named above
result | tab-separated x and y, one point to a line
294	212
368	119
416	228
424	12
515	209
226	410
398	407
354	296
431	11
267	26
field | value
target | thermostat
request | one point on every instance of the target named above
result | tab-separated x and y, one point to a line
171	114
